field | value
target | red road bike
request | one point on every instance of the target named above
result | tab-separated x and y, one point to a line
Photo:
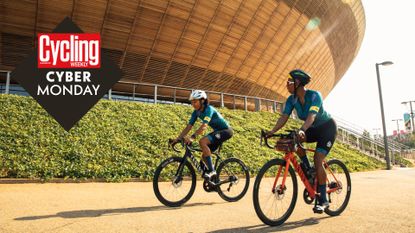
275	189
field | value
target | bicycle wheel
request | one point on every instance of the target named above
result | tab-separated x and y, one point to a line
338	178
274	207
172	190
236	174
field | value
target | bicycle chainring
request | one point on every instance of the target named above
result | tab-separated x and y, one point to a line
307	199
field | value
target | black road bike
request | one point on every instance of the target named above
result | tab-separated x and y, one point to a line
174	181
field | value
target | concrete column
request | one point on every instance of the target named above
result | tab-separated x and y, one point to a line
234	104
155	94
8	83
257	105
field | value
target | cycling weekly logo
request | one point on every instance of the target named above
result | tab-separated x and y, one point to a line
67	74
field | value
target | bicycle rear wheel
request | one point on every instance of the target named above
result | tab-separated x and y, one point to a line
236	175
339	181
274	206
172	190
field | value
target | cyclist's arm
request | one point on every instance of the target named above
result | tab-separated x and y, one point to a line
200	131
280	123
288	108
185	131
309	121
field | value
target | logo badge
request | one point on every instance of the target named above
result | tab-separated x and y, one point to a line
69	50
67	73
329	144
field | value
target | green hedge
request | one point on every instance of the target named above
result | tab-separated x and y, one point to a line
120	140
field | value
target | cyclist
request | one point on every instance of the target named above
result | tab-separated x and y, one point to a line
210	117
318	127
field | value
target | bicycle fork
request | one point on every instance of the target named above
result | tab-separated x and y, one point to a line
289	158
179	172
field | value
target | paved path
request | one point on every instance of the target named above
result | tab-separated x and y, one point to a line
381	201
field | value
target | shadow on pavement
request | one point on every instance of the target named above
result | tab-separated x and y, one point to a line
264	228
98	213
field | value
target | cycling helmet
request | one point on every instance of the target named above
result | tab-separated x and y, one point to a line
197	95
300	75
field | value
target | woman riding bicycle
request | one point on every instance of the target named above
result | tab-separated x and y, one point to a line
318	127
209	116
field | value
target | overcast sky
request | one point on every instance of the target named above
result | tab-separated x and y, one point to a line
389	36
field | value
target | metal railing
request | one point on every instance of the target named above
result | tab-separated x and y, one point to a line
354	136
232	101
180	95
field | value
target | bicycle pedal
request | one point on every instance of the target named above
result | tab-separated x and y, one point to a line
317	211
213	184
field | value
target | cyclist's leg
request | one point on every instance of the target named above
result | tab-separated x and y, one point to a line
324	144
215	140
309	137
205	143
304	160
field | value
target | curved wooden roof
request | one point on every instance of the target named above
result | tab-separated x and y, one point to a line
234	46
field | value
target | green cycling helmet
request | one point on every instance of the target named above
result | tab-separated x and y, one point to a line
300	75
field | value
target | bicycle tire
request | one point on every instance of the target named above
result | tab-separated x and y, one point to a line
224	190
256	196
158	179
348	188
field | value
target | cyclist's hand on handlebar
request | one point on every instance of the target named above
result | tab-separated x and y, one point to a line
174	141
188	140
268	134
301	135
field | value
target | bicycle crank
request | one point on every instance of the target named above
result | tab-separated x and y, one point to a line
208	186
307	199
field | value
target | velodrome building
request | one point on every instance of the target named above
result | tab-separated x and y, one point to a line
240	48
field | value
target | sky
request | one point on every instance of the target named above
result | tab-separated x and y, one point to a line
389	36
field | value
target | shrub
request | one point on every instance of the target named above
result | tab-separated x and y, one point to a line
120	140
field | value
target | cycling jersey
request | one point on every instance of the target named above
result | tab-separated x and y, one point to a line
313	104
211	117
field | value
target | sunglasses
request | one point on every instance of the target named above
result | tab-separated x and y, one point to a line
290	82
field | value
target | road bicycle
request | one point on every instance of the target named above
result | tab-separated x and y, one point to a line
275	188
174	180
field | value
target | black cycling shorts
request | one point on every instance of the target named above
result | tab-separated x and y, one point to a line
216	138
324	134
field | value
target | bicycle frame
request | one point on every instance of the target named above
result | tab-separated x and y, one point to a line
195	162
290	158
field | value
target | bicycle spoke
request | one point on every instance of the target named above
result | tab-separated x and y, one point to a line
236	178
339	180
274	206
174	190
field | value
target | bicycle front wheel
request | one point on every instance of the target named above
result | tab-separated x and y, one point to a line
273	201
339	187
171	189
234	176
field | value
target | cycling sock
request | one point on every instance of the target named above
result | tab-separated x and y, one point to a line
209	163
323	193
305	161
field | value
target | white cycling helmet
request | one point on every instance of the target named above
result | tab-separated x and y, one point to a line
197	95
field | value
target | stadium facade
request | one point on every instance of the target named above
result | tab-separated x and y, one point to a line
244	47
